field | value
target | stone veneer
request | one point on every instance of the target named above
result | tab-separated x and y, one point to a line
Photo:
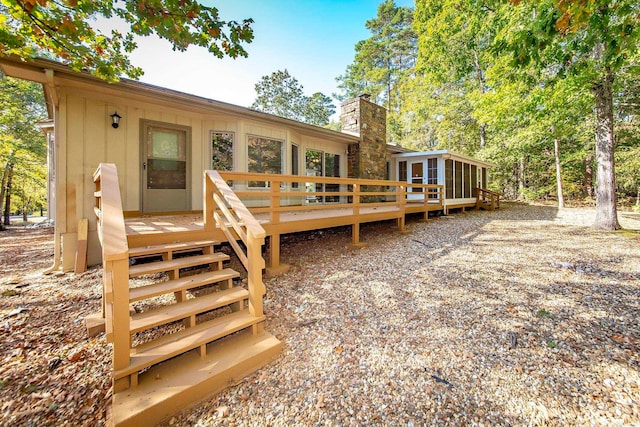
362	117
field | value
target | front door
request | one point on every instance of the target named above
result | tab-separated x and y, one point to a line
165	168
417	176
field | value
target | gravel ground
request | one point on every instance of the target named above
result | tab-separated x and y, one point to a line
523	316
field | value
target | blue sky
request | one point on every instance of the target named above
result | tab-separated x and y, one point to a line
314	40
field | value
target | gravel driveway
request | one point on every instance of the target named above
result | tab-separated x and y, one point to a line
523	316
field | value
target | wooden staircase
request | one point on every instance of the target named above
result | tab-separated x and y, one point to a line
487	199
181	328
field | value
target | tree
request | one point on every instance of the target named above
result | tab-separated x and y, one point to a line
282	95
67	30
22	145
318	108
593	41
454	41
383	62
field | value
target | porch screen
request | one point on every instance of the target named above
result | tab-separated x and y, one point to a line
448	178
474	180
467	180
458	172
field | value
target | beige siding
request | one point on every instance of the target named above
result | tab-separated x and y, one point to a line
90	139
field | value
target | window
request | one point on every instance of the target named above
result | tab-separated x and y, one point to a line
318	163
402	171
313	167
332	168
331	165
484	177
448	178
458	183
295	164
432	171
166	159
432	175
467	180
222	151
265	156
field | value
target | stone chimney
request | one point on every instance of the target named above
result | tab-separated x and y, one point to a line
361	117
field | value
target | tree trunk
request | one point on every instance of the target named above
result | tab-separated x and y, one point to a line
556	150
587	180
7	200
483	136
3	187
481	87
521	179
606	210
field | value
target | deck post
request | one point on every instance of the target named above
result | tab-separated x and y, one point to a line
355	234
119	276
274	251
209	205
275	203
401	200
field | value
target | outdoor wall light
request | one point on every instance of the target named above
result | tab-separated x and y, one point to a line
115	120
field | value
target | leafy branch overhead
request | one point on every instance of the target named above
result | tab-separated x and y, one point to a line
71	30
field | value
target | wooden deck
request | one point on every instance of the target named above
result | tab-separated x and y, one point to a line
208	354
304	220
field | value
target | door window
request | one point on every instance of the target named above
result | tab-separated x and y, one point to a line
417	175
166	159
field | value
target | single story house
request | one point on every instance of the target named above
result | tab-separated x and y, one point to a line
162	140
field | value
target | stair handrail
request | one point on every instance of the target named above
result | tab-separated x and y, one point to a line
488	196
115	262
224	209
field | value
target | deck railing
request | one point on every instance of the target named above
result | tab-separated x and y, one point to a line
115	261
274	194
488	198
245	235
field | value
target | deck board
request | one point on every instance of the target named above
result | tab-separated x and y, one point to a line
195	222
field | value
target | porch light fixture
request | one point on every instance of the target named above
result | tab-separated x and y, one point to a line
115	120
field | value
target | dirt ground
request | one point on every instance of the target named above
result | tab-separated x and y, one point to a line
523	316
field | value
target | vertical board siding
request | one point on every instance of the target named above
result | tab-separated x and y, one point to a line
76	120
95	151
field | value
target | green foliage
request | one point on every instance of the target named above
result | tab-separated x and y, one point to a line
22	144
384	62
543	313
281	94
68	31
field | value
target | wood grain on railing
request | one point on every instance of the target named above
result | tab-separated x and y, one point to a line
115	261
224	209
276	194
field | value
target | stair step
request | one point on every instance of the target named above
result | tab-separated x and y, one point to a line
182	310
183	283
161	266
170	247
168	346
179	383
